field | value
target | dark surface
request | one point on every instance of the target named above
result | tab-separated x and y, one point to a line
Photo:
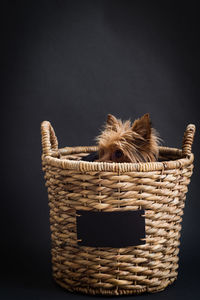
91	157
110	229
72	63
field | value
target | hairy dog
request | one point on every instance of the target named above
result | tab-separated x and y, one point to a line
128	142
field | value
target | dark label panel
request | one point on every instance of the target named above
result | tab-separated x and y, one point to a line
110	229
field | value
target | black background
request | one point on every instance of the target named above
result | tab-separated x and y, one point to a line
72	63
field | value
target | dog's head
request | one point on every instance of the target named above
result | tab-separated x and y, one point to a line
126	142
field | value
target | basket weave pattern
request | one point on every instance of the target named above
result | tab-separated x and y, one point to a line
159	188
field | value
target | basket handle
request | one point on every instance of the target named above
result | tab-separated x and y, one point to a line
188	139
49	139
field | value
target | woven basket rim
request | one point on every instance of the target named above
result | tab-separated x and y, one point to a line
82	166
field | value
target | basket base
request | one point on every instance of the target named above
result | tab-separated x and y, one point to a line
113	292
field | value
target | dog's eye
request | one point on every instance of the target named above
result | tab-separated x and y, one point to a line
118	153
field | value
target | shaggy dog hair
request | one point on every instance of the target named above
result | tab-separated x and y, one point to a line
126	142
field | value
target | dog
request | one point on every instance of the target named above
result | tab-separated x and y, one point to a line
126	142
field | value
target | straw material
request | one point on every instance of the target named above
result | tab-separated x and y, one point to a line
159	188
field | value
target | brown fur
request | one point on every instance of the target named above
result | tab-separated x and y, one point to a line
126	142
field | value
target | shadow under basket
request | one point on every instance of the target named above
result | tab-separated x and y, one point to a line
158	189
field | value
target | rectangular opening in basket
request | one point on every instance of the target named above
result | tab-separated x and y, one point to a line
110	229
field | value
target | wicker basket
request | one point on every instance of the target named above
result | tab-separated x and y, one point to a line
158	187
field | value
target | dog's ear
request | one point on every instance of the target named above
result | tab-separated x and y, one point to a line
142	126
111	122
